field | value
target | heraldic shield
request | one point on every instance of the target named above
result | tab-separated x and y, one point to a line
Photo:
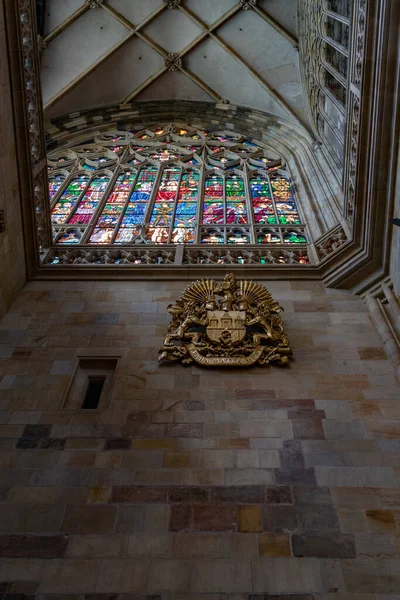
232	323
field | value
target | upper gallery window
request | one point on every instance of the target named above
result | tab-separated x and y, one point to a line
171	185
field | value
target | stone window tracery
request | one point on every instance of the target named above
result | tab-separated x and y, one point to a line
325	42
172	185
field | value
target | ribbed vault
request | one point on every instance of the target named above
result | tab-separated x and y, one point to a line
106	52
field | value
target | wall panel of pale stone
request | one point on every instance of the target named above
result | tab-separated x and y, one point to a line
194	483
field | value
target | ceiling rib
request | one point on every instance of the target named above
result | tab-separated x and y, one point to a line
143	86
208	31
280	28
133	30
237	56
179	55
63	26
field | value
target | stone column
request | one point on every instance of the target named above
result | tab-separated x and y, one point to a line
385	330
12	259
394	307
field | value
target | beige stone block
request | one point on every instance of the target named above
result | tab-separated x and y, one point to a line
169	575
149	544
286	576
123	576
247	459
240	545
95	546
188	545
70	576
249	519
35	495
157	518
99	495
274	545
21	569
210	576
215	459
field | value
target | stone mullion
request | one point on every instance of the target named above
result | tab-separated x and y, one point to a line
200	201
91	225
121	216
224	205
275	209
154	192
83	192
249	203
171	227
62	189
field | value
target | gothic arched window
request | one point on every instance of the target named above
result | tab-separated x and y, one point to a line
171	185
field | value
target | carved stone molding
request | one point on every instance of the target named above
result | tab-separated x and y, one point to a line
33	107
177	255
361	15
331	242
173	62
384	308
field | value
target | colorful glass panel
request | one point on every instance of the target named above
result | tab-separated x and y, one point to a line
137	206
186	209
268	237
90	201
213	209
294	237
238	237
212	237
235	194
55	183
253	204
284	200
161	155
68	199
108	220
69	237
261	199
161	218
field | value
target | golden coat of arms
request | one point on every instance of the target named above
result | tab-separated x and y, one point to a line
231	324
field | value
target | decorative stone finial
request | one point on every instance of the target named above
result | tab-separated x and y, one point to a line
94	3
173	62
247	4
171	4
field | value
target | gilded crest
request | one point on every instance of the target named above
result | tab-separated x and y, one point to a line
232	323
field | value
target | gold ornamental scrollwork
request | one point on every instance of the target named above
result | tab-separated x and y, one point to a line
234	323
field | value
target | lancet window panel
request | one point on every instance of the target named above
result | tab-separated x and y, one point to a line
172	185
325	40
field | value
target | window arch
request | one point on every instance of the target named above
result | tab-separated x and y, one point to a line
172	185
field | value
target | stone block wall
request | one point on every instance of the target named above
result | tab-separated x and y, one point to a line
12	261
196	484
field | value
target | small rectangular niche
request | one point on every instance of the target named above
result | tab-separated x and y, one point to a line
92	383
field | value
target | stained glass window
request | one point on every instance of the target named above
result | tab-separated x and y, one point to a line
172	185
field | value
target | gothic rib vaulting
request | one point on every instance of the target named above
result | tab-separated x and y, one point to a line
142	189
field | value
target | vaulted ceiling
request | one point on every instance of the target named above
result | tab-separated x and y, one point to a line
104	52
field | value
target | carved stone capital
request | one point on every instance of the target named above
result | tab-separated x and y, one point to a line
247	4
173	62
171	4
94	3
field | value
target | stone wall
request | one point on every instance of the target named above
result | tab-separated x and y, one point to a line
196	484
395	250
12	261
